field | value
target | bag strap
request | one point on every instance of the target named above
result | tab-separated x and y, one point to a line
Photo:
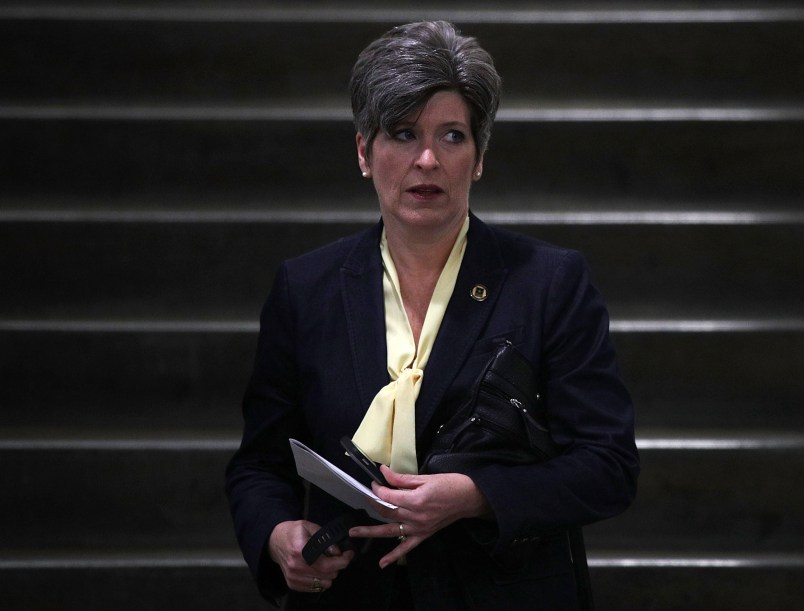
581	568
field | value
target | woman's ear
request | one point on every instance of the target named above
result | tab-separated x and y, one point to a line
362	157
478	170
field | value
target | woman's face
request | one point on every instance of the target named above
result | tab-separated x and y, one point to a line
423	170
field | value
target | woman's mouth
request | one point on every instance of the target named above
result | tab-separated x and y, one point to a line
425	191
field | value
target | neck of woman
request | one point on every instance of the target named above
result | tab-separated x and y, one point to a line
421	251
419	263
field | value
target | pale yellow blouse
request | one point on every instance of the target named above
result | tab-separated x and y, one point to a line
388	431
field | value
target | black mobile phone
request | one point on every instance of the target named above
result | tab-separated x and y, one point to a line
368	465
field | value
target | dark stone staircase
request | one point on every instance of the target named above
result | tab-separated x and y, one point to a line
157	161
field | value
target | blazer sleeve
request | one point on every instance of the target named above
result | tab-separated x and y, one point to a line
261	482
591	419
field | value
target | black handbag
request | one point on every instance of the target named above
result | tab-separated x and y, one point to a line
504	422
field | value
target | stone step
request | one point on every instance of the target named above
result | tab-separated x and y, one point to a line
142	376
158	580
180	270
165	580
740	582
711	491
697	493
169	580
220	52
116	493
727	379
257	162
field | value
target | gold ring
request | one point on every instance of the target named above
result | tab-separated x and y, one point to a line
402	538
316	587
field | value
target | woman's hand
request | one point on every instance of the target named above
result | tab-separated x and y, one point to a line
285	546
426	504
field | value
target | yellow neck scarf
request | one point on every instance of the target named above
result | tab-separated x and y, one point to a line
388	431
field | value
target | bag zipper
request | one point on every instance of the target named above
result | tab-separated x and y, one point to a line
516	403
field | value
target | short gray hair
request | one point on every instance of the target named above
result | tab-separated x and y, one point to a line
397	73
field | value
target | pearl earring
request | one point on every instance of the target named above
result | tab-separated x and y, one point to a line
477	174
365	174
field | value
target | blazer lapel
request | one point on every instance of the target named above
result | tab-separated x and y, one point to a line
361	288
464	319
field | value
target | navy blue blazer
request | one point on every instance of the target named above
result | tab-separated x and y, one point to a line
321	358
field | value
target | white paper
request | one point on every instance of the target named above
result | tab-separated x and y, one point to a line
319	471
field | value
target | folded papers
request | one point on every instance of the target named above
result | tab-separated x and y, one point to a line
319	471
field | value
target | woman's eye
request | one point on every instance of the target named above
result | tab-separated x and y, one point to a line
455	136
404	135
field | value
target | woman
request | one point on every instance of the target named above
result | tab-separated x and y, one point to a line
380	337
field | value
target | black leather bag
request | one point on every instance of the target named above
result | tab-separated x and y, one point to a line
503	422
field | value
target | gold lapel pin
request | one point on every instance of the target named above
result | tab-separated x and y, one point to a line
479	292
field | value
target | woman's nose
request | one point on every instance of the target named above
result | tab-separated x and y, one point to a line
427	159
